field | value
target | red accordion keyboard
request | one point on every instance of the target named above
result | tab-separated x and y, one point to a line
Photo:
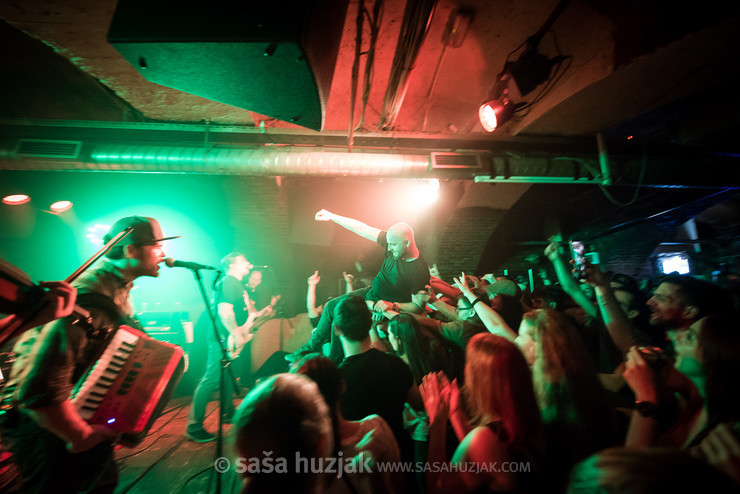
129	385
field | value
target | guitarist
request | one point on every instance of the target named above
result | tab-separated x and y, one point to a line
236	321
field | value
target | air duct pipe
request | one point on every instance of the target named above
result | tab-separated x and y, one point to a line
264	161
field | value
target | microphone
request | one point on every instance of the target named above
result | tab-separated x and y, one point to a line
174	263
260	267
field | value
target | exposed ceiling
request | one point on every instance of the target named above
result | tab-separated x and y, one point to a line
624	60
655	79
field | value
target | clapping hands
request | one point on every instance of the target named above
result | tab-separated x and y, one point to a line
441	397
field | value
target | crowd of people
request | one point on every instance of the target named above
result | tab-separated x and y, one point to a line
412	383
481	385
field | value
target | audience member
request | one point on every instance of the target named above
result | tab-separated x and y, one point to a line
623	470
504	426
377	382
358	440
282	418
577	419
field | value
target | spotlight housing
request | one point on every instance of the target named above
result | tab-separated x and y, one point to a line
16	199
499	108
495	112
60	206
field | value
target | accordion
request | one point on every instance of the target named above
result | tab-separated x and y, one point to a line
129	385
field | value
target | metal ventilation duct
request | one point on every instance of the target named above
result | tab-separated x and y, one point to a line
262	161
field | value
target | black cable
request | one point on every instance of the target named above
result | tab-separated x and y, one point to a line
367	83
551	83
143	449
149	468
194	476
170	420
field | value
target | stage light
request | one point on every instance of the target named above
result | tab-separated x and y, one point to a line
499	108
495	113
423	193
60	206
95	233
16	199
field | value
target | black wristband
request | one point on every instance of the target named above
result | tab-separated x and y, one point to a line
472	306
647	409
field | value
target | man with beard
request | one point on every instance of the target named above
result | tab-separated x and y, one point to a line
53	447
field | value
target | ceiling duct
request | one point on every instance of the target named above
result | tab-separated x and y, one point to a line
45	148
455	161
259	161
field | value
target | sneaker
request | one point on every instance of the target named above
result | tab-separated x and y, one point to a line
199	436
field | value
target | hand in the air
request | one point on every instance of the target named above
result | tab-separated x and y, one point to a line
323	215
462	284
314	278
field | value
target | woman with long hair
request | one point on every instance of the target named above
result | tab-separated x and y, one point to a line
424	349
505	422
577	418
357	440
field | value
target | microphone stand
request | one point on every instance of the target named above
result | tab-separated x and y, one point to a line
225	366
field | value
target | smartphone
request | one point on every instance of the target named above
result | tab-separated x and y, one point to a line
582	254
578	253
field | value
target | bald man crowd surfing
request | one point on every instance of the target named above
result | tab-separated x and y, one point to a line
404	272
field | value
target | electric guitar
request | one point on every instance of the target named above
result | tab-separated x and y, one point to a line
245	332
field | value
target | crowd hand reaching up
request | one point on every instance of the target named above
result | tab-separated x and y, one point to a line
435	390
348	278
462	284
553	251
640	377
314	278
434	271
595	276
323	215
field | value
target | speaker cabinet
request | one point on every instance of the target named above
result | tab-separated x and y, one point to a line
273	57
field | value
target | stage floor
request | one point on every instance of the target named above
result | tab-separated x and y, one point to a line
167	462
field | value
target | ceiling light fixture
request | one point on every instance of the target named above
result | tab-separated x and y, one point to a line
527	72
16	199
60	206
499	108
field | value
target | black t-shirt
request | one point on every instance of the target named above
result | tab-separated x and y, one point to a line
231	291
398	279
376	382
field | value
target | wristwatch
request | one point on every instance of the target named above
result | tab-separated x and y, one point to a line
647	408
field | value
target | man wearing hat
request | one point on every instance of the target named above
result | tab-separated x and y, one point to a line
505	296
53	447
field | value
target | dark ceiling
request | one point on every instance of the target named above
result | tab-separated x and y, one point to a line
653	79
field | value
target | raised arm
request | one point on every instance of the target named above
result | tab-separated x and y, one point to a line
622	332
563	273
488	316
443	307
353	225
313	280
